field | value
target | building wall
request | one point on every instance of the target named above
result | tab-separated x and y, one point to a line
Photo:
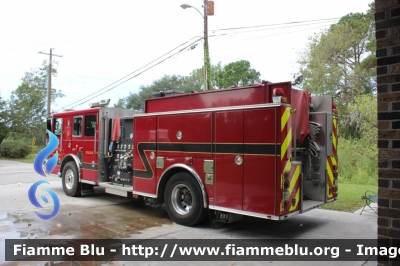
387	22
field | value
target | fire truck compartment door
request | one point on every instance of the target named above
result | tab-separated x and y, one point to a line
197	135
76	142
66	135
89	136
260	151
228	148
169	136
145	154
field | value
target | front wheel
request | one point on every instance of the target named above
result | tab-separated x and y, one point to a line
70	180
183	200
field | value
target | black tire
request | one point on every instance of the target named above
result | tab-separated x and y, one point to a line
183	200
70	180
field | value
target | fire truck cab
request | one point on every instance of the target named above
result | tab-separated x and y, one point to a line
265	150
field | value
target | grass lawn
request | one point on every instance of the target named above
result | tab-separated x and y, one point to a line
29	159
349	199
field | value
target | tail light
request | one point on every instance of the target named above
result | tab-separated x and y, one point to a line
278	96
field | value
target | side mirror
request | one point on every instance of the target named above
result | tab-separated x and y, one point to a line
49	124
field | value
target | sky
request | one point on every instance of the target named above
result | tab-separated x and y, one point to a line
104	41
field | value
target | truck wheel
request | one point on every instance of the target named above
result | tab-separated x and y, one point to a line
183	200
70	180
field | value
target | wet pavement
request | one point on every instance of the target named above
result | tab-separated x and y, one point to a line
104	216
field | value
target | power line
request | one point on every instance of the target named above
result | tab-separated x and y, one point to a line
102	91
281	33
96	94
90	36
130	73
137	74
283	27
277	24
120	29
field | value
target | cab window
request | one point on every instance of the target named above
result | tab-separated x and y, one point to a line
90	125
58	126
77	127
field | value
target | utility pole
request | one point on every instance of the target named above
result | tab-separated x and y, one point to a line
208	11
207	69
49	81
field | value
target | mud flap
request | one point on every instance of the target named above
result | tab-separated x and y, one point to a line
86	189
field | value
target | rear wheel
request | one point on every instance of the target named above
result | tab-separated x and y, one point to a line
183	200
70	180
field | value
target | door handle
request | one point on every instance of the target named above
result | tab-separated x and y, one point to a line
238	160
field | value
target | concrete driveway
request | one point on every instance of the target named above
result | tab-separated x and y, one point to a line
104	216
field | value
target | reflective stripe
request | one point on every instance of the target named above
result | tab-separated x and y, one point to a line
330	177
285	118
334	135
294	190
333	160
286	143
286	164
292	208
295	178
334	140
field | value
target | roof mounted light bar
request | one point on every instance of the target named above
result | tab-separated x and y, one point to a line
102	103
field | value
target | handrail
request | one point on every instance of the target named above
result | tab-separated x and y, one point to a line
293	111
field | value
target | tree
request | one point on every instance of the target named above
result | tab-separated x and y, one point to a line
28	103
237	74
197	76
358	151
4	119
361	120
341	60
175	82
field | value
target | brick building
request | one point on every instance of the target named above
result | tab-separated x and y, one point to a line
387	22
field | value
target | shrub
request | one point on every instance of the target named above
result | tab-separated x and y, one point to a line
15	148
358	163
36	149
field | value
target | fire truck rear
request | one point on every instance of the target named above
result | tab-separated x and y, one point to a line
266	150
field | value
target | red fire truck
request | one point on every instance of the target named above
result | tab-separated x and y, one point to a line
266	150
